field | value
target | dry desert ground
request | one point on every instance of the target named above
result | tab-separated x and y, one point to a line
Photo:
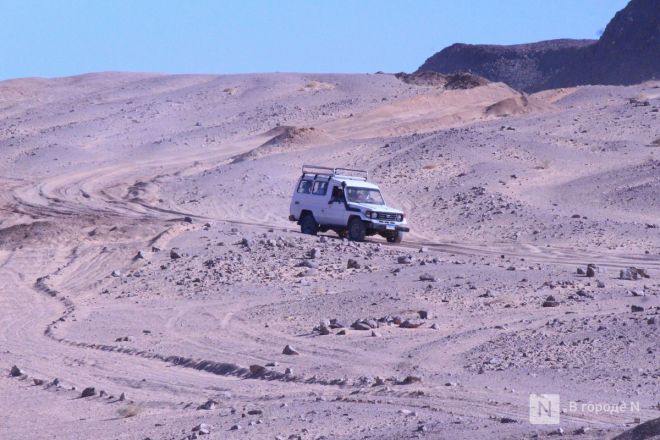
145	252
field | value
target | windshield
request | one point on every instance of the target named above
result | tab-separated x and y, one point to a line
364	195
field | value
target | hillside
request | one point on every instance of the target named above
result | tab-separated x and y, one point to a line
150	278
628	52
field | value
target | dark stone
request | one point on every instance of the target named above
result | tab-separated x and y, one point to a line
88	392
626	53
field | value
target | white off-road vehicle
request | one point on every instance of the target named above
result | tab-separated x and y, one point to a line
342	200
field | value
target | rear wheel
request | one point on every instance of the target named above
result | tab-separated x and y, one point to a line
395	238
308	225
356	229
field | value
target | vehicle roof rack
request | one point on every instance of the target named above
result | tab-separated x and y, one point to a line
328	171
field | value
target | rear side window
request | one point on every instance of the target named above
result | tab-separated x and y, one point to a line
320	188
305	187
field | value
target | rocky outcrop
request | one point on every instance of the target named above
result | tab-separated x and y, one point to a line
627	53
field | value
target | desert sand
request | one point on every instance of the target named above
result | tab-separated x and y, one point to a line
145	252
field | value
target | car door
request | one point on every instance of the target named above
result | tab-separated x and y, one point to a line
335	211
303	197
317	199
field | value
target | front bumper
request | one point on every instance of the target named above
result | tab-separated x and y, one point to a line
382	227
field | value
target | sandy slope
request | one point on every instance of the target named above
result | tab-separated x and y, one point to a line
96	168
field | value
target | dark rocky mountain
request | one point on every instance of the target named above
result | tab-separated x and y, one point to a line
452	81
628	52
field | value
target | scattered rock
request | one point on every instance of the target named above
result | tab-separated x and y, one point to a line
88	392
38	382
582	430
591	271
426	277
257	370
187	219
307	263
124	339
352	264
16	372
550	301
208	405
404	259
408	323
410	380
635	308
175	254
334	323
236	428
289	350
424	314
203	429
360	325
324	328
633	273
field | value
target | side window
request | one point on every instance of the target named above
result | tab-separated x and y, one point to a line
305	187
337	194
320	188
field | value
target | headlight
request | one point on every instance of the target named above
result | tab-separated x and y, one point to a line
374	215
399	218
368	214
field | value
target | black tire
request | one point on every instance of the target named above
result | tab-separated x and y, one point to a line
396	238
356	229
308	225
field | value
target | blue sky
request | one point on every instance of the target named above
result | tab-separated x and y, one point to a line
67	37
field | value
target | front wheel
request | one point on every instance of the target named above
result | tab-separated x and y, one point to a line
308	225
356	229
396	238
